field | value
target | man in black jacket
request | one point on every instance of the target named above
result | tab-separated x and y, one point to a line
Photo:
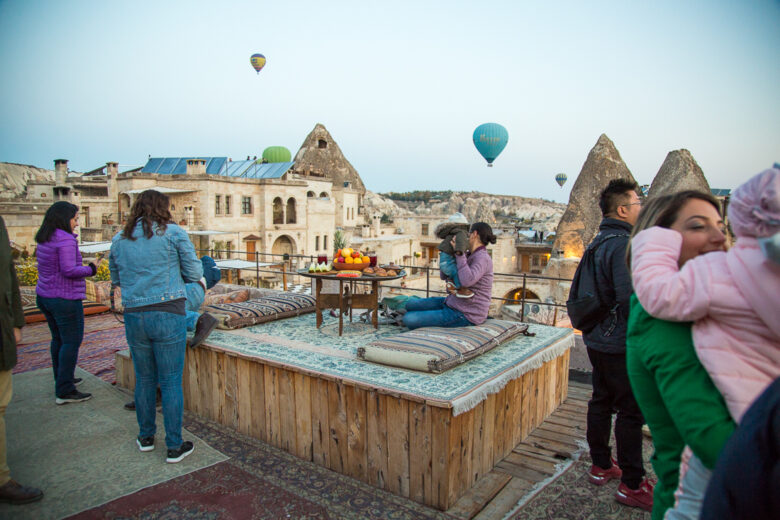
11	322
606	346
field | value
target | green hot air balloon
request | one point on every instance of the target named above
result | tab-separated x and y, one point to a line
275	154
490	139
561	179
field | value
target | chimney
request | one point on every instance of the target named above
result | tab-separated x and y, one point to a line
60	171
377	225
196	166
112	170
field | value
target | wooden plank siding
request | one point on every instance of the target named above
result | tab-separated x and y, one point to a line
406	446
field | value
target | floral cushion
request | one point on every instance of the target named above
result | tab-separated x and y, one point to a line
258	310
436	349
228	297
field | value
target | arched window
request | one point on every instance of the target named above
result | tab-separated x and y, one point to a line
278	211
310	194
291	210
324	195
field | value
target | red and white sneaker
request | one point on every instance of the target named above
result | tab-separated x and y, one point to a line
600	476
642	497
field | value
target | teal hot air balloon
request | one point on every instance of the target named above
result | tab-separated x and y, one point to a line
490	139
561	179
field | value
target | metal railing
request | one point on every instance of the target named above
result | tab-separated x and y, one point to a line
286	265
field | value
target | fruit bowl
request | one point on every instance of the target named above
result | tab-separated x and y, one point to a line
343	266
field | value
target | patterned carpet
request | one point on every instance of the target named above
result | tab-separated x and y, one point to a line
96	354
572	497
258	482
37	332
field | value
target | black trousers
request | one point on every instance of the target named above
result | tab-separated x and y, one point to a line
612	393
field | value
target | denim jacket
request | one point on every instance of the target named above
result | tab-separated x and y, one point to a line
153	270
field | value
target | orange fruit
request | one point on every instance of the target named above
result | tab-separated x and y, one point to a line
349	260
338	253
366	260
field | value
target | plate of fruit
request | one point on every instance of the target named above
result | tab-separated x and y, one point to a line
349	259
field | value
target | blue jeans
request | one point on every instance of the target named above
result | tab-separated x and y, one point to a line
448	266
689	497
66	323
432	312
195	297
157	343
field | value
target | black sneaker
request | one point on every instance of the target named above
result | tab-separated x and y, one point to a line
77	381
73	397
130	406
145	443
204	326
175	456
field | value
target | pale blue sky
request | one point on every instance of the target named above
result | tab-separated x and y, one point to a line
400	85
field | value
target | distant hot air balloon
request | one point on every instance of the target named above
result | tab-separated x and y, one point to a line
276	154
561	179
490	139
258	62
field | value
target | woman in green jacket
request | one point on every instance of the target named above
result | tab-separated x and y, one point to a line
676	395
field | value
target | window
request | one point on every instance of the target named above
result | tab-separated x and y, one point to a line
425	229
291	210
310	194
278	211
535	261
324	195
316	243
325	242
544	260
227	204
217	201
246	205
229	247
322	143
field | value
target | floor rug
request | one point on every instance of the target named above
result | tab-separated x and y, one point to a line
281	486
222	491
96	354
572	497
37	332
83	454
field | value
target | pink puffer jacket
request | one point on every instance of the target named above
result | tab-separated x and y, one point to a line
734	299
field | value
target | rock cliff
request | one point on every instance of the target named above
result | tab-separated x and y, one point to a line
678	172
319	155
476	207
15	177
580	223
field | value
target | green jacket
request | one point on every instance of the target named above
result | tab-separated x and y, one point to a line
677	397
11	314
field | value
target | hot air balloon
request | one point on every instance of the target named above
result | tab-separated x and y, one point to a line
276	154
490	139
561	179
258	62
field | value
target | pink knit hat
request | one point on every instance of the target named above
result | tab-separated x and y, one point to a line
754	209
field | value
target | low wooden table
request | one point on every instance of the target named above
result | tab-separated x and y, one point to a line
346	299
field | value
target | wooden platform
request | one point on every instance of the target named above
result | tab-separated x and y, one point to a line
405	446
533	460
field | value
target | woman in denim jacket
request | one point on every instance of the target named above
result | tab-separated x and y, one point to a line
152	259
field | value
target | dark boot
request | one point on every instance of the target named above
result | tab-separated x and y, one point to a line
130	406
14	493
203	328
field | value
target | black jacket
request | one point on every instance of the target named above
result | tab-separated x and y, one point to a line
614	281
11	314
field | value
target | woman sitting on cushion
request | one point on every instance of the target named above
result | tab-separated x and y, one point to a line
475	271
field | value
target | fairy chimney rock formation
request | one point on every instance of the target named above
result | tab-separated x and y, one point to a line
678	172
580	222
320	156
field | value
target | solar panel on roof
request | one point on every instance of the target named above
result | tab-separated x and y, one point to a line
168	164
152	165
214	165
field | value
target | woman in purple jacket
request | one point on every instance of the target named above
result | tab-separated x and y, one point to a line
60	291
475	270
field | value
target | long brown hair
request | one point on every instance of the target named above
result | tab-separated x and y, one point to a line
663	210
151	206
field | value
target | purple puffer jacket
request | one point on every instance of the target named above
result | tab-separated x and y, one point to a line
60	270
